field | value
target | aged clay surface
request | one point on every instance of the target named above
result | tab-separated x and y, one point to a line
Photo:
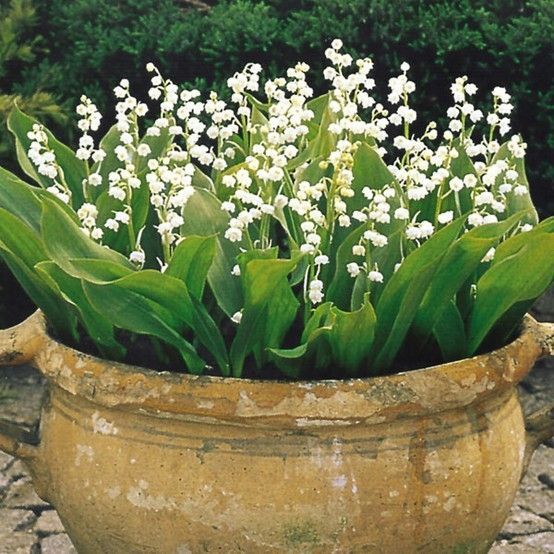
137	461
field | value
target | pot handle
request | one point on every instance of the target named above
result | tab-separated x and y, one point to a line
539	425
19	345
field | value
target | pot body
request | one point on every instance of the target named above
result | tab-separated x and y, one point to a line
134	482
137	461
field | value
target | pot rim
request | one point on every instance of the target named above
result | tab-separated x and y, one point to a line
304	403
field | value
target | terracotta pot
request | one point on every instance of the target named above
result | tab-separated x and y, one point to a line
139	461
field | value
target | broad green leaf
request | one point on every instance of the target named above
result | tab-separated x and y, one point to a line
20	239
18	198
202	181
506	326
210	335
257	254
110	163
369	170
22	249
98	327
351	336
326	340
546	225
514	243
403	293
191	262
522	275
449	332
324	141
340	288
97	271
158	145
259	125
181	310
516	203
318	106
269	308
319	317
460	261
74	170
255	102
64	240
293	361
59	316
204	217
169	293
133	312
460	167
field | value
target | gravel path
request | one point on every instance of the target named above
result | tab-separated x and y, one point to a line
30	526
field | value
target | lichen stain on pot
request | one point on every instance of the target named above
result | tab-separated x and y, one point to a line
113	492
510	369
102	425
139	497
84	451
430	390
298	535
304	405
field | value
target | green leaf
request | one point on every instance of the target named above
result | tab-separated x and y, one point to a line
260	126
20	239
460	167
340	288
18	198
323	142
293	361
403	293
269	308
110	162
22	249
210	335
449	332
74	170
97	271
460	261
204	217
202	181
351	336
315	352
320	316
58	314
64	240
132	311
180	309
158	144
369	170
516	203
522	275
191	262
97	326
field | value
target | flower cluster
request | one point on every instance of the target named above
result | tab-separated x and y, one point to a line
287	165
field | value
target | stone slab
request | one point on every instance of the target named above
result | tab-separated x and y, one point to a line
49	523
57	544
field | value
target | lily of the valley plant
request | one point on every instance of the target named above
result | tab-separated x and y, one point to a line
321	237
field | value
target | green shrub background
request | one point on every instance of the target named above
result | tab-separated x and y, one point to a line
86	46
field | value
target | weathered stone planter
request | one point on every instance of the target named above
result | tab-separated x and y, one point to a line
139	461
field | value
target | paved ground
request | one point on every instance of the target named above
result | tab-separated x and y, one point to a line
30	526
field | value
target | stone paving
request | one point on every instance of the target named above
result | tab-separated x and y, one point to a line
29	525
